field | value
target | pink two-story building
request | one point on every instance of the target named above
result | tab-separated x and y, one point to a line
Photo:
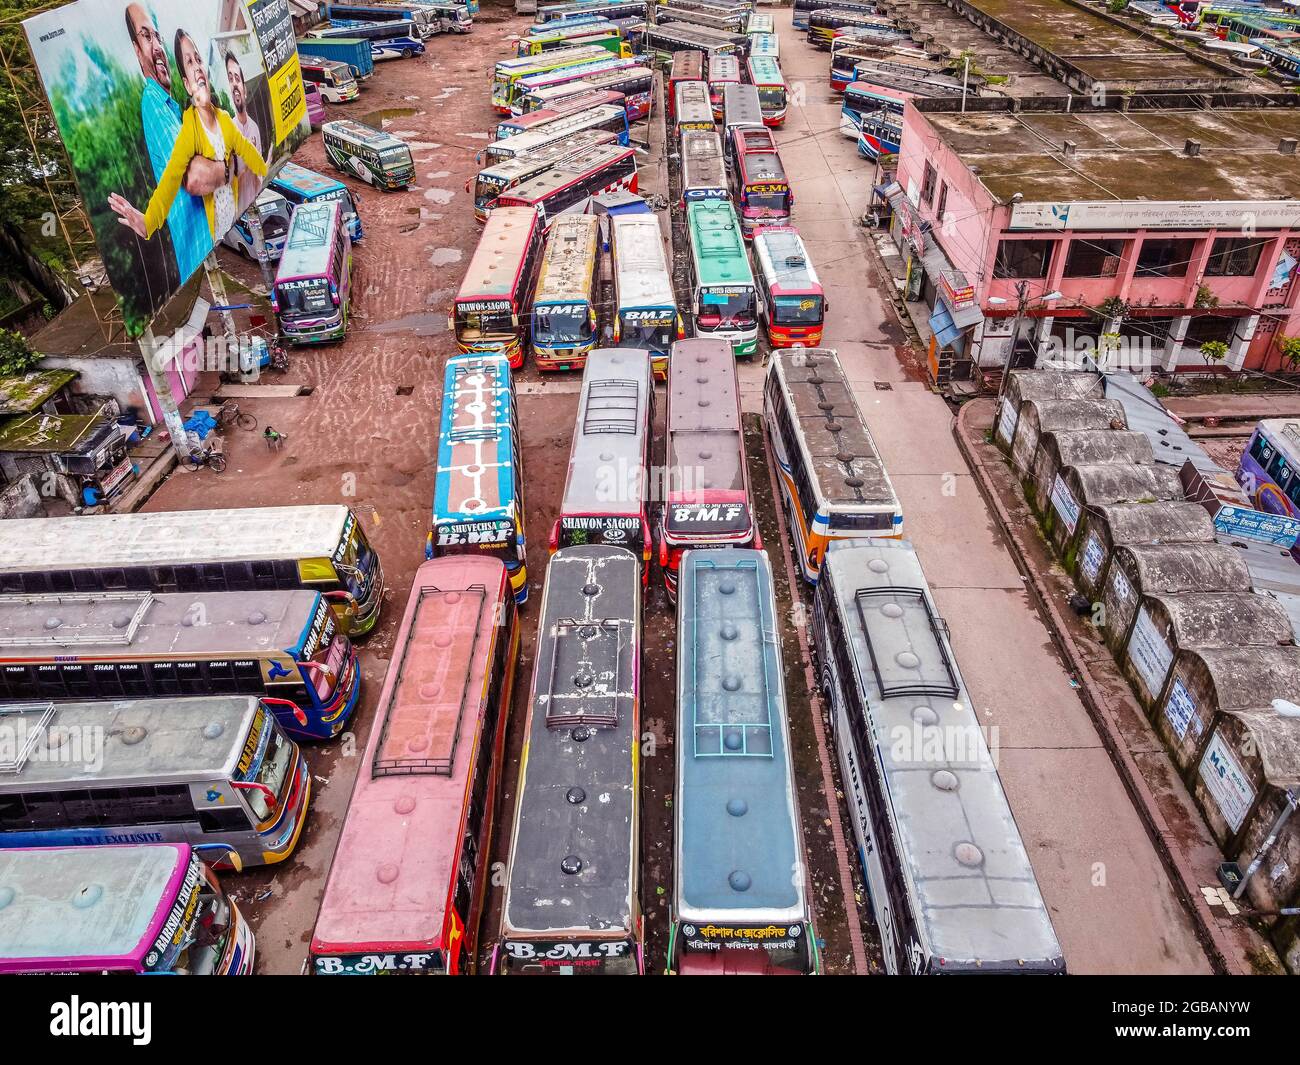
1136	234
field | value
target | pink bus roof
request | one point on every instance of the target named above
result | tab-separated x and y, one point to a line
397	855
86	908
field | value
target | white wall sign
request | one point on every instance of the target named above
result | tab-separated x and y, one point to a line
1007	420
1064	503
1226	782
1157	214
1093	557
1150	653
1180	709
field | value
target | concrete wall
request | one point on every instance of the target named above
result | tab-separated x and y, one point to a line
21	499
116	378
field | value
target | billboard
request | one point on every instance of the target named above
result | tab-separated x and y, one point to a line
172	113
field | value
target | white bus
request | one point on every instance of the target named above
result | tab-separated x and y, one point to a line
606	117
645	309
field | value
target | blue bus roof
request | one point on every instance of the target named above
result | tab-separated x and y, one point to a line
475	479
311	236
737	821
306	183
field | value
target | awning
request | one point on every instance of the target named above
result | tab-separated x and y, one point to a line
936	264
945	330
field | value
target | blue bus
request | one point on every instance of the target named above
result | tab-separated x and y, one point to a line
477	500
299	185
740	898
873	116
398	39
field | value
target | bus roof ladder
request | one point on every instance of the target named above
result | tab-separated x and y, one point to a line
32	735
611	407
909	597
581	688
119	634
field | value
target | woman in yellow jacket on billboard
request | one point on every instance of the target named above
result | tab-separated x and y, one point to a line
206	130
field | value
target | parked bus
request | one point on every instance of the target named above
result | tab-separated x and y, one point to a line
375	157
282	646
508	71
565	325
580	75
663	42
569	184
555	35
873	117
763	195
724	300
273	213
313	283
717	19
478	501
765	75
299	185
608	117
704	171
760	23
332	79
493	180
686	66
724	70
793	303
947	876
804	8
833	483
605	493
396	39
321	547
707	500
635	84
826	24
765	45
645	309
691	108
740	901
740	110
576	910
489	313
849	49
1269	469
562	107
216	772
610	9
426	17
406	888
158	910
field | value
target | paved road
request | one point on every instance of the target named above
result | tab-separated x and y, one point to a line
1109	896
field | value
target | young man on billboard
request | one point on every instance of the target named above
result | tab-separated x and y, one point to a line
161	117
249	185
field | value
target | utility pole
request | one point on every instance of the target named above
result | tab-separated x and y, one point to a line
162	390
1022	302
217	283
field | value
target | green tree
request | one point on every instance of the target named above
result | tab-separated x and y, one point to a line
1290	349
16	355
1214	351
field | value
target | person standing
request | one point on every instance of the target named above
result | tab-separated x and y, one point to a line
249	183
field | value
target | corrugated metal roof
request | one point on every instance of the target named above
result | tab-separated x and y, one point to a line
1169	441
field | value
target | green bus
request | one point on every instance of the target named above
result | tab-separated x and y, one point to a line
369	154
509	71
724	299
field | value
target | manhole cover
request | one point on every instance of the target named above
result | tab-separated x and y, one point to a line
884	386
405	390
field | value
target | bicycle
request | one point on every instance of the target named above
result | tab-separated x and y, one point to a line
213	456
230	414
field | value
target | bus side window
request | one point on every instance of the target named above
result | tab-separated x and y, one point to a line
133	679
42	811
224	819
153	805
248	678
78	682
214	577
189	675
49	682
286	574
164	578
113	580
80	810
162	677
188	579
86	580
105	683
61	581
1261	450
239	576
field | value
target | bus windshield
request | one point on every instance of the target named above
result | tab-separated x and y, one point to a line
797	310
480	324
201	919
767	200
396	158
271	772
304	297
772	99
726	307
652	330
562	323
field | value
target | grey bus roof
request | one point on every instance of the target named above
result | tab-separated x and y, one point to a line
577	798
738	846
47	917
704	431
159	741
1118	482
740	106
609	439
1176	568
243	534
88	625
843	456
1225	619
976	895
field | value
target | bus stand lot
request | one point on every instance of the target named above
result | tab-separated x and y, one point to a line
366	436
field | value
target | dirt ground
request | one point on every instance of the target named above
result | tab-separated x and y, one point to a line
365	435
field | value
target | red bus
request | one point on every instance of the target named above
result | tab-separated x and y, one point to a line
688	65
635	83
707	501
567	185
605	493
763	195
724	70
406	887
793	305
490	313
567	105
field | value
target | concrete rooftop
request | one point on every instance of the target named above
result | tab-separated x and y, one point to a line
1128	156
